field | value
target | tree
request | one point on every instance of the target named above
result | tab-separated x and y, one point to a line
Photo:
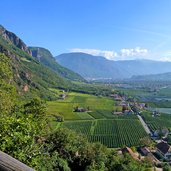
7	90
36	106
124	108
145	141
166	167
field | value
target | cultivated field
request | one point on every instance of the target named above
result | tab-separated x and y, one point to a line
154	123
110	132
100	107
98	124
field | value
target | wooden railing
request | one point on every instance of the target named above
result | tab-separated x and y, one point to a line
8	163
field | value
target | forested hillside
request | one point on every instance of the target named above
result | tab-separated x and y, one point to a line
31	78
45	57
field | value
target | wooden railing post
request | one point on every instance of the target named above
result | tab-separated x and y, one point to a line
8	163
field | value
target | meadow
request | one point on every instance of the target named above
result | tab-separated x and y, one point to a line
99	107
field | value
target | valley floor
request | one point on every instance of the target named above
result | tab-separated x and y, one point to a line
99	124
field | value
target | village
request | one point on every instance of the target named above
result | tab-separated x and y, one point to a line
155	147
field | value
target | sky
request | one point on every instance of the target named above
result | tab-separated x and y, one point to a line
115	29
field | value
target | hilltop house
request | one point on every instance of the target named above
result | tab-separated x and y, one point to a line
164	149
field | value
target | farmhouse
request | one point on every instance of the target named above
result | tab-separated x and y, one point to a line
117	113
144	151
155	114
114	95
62	96
81	109
163	132
123	103
164	149
128	112
142	105
118	99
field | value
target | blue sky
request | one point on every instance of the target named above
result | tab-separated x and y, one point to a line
116	29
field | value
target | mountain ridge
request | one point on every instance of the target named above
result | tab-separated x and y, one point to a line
98	67
152	77
45	57
14	39
30	77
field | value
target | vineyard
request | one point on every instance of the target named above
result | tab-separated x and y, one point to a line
98	124
154	123
113	133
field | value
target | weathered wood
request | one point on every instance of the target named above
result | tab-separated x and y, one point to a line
8	163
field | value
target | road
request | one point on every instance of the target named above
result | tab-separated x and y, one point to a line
144	125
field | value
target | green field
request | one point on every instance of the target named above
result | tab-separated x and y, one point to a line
154	123
161	110
99	124
155	97
100	107
111	132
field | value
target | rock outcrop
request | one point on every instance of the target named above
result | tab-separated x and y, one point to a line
12	38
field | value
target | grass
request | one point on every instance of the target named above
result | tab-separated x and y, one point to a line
100	107
24	59
165	92
99	124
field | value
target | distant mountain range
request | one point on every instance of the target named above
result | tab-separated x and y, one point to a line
97	67
152	77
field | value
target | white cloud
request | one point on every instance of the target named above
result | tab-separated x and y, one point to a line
165	59
96	52
166	56
123	54
136	52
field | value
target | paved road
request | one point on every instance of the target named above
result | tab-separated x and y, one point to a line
144	125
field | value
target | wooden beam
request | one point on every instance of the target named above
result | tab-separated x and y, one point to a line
8	163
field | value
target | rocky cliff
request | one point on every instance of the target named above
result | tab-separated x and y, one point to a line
12	38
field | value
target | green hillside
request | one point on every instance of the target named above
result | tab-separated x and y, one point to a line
31	77
34	77
45	57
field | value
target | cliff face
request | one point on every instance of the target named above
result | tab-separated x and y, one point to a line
12	38
35	54
30	77
45	57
